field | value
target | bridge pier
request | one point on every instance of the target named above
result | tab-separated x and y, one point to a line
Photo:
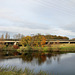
69	42
15	43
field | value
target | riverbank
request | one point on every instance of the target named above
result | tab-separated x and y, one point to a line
63	47
51	48
18	50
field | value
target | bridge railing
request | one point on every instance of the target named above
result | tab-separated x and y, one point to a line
9	40
35	40
57	40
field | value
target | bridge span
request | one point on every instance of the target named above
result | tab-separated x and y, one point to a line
61	42
9	42
15	41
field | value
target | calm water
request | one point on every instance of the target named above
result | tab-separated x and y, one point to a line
58	64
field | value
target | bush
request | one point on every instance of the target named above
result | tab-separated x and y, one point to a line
2	47
28	47
45	48
23	49
37	48
9	48
15	47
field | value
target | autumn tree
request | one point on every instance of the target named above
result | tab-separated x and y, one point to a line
48	37
43	41
26	40
39	40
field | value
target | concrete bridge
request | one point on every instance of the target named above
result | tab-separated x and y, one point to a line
10	41
51	41
61	42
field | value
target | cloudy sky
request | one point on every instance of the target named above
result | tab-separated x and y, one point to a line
56	17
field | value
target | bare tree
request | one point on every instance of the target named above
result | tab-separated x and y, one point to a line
18	36
2	36
7	36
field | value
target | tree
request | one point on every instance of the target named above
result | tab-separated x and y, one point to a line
7	36
39	40
43	41
18	36
26	40
2	36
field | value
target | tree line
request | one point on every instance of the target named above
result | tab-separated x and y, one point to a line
39	40
19	36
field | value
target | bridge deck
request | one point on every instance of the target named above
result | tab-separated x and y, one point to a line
51	40
46	41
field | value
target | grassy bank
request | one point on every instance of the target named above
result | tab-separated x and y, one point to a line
51	48
63	47
15	71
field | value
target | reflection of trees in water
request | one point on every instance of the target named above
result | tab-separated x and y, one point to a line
49	60
56	56
40	58
30	56
53	56
1	53
27	57
9	53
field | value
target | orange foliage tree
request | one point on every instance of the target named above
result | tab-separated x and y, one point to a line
43	41
39	40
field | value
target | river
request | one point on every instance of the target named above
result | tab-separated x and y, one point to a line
57	64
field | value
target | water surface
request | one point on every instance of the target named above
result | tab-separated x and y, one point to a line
57	64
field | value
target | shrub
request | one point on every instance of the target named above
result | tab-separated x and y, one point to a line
15	47
9	48
23	49
45	48
2	47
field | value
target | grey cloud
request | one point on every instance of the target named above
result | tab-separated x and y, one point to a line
33	16
33	25
70	27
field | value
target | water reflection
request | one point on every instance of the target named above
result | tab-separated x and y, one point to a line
41	57
9	53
